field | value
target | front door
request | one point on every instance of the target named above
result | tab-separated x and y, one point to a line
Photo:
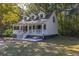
25	28
39	29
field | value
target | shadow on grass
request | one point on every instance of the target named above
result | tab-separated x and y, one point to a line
55	46
64	40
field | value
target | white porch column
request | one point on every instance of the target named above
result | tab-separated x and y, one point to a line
32	28
20	27
28	28
42	28
35	28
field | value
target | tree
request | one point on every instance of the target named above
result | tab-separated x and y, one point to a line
47	7
9	14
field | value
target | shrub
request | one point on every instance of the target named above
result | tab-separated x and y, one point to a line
8	32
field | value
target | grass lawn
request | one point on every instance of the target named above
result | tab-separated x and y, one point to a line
57	46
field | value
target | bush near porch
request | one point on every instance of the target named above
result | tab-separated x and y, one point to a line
8	32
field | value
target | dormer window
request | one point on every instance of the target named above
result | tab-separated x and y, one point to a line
32	17
25	18
41	15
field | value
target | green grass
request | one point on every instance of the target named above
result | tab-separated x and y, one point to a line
56	46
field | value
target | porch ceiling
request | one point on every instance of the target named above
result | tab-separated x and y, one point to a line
24	24
31	22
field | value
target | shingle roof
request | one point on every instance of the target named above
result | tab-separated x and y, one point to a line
47	15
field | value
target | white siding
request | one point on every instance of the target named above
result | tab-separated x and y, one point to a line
51	26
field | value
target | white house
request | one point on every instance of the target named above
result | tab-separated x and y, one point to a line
40	24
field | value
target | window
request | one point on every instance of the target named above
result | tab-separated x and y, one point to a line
44	26
53	19
16	27
25	18
24	28
32	17
39	27
33	27
41	15
29	27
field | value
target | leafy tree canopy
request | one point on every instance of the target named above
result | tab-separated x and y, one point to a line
48	7
9	13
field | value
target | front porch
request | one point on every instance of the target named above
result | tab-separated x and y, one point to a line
29	29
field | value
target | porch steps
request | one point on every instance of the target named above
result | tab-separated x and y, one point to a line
19	36
24	36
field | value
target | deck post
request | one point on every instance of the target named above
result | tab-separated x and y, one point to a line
35	29
28	28
20	27
42	28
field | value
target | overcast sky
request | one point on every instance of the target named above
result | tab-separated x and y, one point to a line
23	5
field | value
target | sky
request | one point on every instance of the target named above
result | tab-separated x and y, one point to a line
23	5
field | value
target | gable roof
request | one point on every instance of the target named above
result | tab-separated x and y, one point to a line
47	16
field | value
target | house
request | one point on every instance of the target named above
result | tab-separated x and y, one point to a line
36	24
